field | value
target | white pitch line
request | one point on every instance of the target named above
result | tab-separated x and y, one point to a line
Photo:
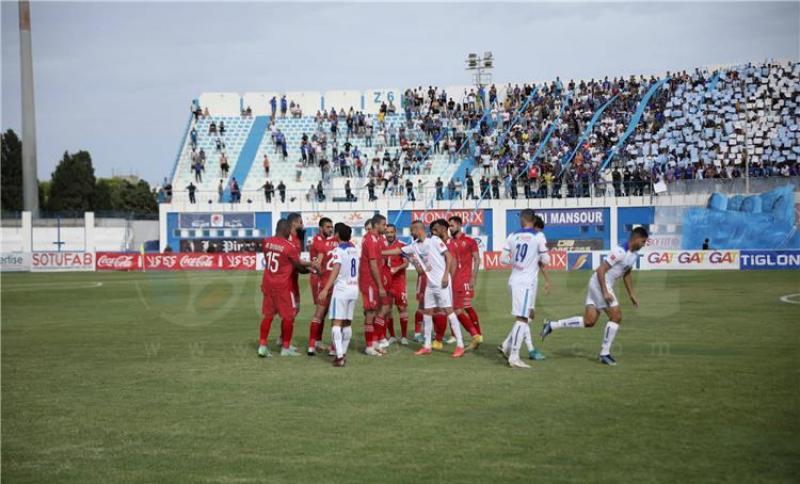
789	298
50	285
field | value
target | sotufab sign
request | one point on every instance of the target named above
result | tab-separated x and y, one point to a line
15	261
769	259
62	261
690	259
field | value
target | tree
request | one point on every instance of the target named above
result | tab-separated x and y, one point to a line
11	171
118	194
73	184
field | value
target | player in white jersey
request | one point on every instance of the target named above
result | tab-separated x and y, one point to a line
526	251
344	279
438	265
600	294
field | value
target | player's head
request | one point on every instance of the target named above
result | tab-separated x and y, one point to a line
282	228
418	229
526	218
343	232
538	223
295	221
368	226
439	228
325	226
455	225
638	239
379	223
391	233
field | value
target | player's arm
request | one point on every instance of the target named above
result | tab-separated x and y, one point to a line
301	266
544	253
401	267
476	265
375	270
395	251
449	268
628	280
323	294
546	275
601	278
505	256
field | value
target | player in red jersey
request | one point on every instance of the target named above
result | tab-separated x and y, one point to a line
320	252
397	286
296	237
370	283
465	250
282	260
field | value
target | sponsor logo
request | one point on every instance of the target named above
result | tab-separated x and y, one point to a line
578	216
491	261
238	262
691	259
579	261
773	260
471	217
117	261
580	245
62	261
191	261
15	261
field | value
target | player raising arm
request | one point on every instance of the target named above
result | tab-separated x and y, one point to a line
344	280
282	260
600	295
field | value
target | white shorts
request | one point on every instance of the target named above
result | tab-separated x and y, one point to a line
523	300
342	309
436	297
594	296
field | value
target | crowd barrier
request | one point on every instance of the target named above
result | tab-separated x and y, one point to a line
560	260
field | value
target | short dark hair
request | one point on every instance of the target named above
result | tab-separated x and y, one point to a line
343	231
527	214
377	218
282	227
640	231
325	220
391	226
293	216
456	219
538	222
439	221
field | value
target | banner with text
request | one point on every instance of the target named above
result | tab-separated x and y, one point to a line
15	261
770	260
690	259
62	261
491	261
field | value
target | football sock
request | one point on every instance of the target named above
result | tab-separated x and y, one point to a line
313	331
439	326
321	329
466	321
347	333
418	322
474	317
380	328
403	325
527	338
455	327
427	324
266	324
287	327
608	337
369	334
336	334
390	326
573	322
517	333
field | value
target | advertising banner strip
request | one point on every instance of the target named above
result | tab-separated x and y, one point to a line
752	260
62	261
15	261
690	259
491	261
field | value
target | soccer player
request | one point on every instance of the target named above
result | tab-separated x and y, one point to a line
397	292
600	294
296	232
344	280
437	263
524	250
322	246
468	261
370	283
282	260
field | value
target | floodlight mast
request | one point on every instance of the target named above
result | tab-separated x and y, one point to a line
30	184
481	67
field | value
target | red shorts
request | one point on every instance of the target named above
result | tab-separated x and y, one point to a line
397	292
327	301
369	295
282	303
314	284
462	295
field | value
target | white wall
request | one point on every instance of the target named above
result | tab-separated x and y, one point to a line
309	101
221	103
259	102
374	97
342	100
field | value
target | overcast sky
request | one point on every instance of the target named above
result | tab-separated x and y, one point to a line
117	78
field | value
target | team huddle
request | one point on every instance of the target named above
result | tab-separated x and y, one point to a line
446	261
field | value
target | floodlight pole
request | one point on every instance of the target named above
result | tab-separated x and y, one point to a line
30	184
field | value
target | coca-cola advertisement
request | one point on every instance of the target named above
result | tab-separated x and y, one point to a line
118	261
238	262
184	261
220	245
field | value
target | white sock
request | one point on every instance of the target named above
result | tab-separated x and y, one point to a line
608	337
427	329
455	325
336	335
527	338
517	334
507	342
347	333
573	322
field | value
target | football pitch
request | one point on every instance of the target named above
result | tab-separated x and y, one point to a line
153	377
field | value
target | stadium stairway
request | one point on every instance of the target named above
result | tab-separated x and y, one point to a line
248	153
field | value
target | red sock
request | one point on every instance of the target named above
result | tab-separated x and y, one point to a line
380	328
287	328
403	326
474	317
418	322
466	322
439	326
390	326
369	334
313	331
266	324
321	330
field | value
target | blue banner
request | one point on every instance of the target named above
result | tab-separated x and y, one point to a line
752	260
217	220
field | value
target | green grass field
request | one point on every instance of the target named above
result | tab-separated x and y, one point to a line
154	378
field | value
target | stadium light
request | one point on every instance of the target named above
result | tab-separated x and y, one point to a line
481	67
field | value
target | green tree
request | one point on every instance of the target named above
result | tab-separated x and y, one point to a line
120	195
11	171
72	185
